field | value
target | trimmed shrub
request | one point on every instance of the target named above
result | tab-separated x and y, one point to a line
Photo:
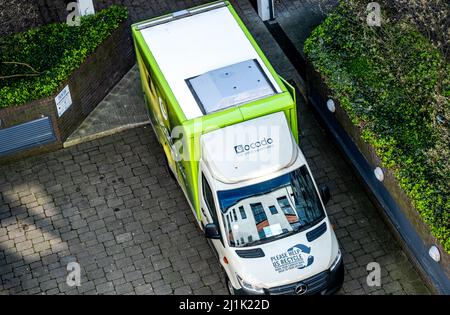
35	63
395	85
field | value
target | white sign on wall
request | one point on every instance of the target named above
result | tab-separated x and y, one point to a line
266	9
63	101
86	7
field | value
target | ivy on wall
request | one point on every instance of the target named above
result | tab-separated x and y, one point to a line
35	63
395	85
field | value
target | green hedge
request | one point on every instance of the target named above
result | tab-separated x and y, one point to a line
53	51
393	84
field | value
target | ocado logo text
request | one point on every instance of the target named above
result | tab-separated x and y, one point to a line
252	146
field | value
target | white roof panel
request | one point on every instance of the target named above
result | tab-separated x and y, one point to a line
229	86
194	45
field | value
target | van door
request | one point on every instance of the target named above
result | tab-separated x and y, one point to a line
209	213
158	112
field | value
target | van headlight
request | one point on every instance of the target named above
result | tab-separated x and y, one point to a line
336	260
249	287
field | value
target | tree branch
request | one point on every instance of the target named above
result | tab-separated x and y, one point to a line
34	72
20	64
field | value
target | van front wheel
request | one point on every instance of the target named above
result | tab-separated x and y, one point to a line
169	170
230	286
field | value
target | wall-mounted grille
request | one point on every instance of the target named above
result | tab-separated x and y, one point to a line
26	135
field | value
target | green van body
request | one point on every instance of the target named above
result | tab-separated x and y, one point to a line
158	94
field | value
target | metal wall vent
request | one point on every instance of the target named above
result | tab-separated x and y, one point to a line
26	135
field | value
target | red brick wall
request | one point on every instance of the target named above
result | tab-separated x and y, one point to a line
88	85
96	77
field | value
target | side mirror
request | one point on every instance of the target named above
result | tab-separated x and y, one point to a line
325	194
212	231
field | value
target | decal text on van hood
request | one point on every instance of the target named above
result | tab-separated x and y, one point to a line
296	257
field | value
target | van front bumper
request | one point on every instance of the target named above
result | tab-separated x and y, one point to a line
324	283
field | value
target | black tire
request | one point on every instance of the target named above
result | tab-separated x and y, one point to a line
169	170
230	287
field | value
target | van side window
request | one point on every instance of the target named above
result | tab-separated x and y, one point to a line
209	199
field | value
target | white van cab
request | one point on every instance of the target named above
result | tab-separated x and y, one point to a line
264	214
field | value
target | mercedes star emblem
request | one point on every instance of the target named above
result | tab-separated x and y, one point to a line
301	289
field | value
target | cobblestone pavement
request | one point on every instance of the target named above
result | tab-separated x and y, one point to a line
110	205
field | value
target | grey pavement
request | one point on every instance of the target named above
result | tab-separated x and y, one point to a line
121	109
110	205
299	17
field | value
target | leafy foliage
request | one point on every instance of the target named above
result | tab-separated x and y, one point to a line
53	52
395	85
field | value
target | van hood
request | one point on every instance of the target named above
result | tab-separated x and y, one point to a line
288	260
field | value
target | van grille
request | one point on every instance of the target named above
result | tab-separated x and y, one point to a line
315	285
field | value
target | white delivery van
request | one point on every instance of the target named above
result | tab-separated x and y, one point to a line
264	213
228	125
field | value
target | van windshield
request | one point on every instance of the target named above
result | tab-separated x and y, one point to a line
270	210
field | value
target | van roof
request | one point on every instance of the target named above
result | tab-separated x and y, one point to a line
207	60
249	149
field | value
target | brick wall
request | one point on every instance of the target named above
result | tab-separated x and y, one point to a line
88	85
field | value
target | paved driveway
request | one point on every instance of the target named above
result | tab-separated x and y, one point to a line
110	205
